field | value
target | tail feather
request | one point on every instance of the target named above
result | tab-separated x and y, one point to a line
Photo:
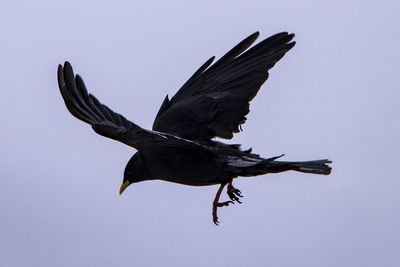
273	166
313	166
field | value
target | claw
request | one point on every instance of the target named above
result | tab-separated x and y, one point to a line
225	203
234	193
215	220
238	200
234	198
218	205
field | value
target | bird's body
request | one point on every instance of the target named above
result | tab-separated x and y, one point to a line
219	163
183	167
215	164
212	103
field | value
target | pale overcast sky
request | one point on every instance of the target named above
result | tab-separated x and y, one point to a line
335	95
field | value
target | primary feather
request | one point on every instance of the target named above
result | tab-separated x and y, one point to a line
214	102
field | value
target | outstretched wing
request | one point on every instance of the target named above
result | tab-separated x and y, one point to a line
108	123
215	100
87	108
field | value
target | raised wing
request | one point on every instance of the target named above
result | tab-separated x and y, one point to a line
108	123
87	108
215	100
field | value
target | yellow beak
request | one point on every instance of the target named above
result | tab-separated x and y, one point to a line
124	185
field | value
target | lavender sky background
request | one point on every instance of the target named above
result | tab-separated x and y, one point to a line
335	95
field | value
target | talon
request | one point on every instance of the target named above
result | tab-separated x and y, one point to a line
214	214
234	193
217	204
224	204
215	219
234	198
238	193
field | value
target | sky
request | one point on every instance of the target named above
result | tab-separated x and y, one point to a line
335	95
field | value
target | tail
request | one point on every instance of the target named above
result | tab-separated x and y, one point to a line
272	166
313	166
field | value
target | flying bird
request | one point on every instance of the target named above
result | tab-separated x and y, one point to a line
213	102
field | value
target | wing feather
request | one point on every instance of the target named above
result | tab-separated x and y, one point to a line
87	108
108	123
215	100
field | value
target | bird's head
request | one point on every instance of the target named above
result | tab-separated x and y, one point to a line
134	172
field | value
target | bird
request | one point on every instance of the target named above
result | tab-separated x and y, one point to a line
213	103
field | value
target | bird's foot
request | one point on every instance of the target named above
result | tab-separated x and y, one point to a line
216	206
234	193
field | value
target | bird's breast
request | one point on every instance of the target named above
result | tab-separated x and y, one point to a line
185	167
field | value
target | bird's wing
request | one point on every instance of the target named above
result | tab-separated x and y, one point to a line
215	100
103	120
108	123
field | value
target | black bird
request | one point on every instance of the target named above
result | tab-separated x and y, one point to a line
213	103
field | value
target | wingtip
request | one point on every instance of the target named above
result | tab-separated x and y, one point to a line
209	61
60	77
254	36
291	36
284	34
251	38
68	68
62	66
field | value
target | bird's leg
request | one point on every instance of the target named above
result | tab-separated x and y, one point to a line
217	204
233	193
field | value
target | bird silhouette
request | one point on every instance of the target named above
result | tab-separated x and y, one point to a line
214	102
